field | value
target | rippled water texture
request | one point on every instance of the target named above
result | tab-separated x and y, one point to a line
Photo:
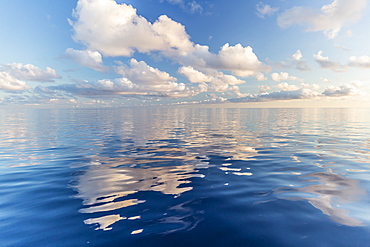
185	177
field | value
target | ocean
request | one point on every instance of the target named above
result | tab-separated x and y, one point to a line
184	177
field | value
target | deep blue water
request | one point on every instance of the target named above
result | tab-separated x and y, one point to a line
185	177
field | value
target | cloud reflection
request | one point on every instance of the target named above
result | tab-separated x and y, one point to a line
330	191
161	155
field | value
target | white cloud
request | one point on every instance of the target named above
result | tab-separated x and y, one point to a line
287	87
264	10
296	62
217	77
284	76
142	74
264	88
362	62
330	18
190	6
302	93
195	7
10	83
325	80
216	82
194	75
122	31
241	61
87	58
344	90
29	72
137	79
325	63
298	55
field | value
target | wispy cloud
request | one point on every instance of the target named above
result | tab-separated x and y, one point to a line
296	62
190	6
330	18
264	10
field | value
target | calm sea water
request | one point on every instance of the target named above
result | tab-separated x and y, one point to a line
185	177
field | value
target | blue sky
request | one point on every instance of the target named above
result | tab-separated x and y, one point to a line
150	52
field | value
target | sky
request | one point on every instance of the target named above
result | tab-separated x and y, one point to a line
107	53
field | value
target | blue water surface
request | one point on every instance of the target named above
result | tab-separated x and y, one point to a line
185	177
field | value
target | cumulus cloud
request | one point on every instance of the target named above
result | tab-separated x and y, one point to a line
264	88
302	93
297	55
194	75
264	10
242	61
10	83
29	72
123	32
217	77
362	62
284	76
140	79
87	58
325	63
137	79
287	87
330	18
346	90
142	74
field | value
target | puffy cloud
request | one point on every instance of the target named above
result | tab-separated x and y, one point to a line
142	74
264	88
362	62
10	83
87	58
287	87
344	90
297	55
264	10
325	63
137	79
330	18
302	93
242	61
284	76
29	72
194	75
122	31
